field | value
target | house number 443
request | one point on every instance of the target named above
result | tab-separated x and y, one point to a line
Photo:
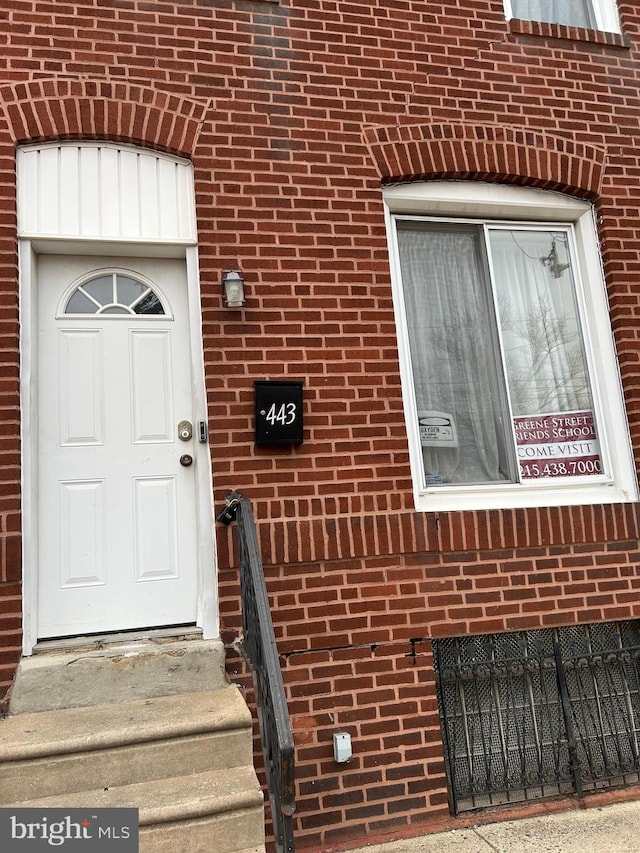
284	414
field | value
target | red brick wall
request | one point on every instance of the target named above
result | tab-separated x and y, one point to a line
10	521
293	114
354	633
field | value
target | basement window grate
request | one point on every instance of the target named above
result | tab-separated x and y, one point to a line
539	713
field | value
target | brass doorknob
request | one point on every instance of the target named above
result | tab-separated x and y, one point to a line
186	460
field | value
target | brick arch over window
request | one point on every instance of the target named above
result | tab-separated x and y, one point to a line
75	109
486	153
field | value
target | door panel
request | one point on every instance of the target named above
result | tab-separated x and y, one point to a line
151	389
155	529
81	398
117	537
82	533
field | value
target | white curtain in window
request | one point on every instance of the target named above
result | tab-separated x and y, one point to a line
541	335
462	354
454	351
575	13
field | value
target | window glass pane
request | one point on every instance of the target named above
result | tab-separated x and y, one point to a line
128	289
149	305
80	304
465	432
101	288
544	354
574	13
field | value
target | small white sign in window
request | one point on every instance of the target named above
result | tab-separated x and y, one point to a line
437	430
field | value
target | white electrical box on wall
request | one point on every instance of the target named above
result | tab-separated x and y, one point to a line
342	747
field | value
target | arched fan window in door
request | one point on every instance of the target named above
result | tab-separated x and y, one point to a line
114	293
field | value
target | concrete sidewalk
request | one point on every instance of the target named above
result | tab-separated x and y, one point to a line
607	829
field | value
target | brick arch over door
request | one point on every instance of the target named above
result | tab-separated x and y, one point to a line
75	109
486	153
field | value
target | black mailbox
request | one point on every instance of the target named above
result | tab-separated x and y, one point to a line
278	412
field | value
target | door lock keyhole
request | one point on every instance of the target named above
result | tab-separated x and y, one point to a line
185	430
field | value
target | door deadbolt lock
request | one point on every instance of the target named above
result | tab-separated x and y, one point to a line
186	460
185	430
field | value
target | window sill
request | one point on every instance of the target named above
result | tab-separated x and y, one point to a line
521	496
560	31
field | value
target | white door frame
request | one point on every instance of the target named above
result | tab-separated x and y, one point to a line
207	604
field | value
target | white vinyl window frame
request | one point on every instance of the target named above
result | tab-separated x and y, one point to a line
605	11
472	202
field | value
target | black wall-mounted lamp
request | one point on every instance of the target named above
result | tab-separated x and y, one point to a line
233	289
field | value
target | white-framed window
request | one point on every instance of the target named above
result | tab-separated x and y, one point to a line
510	379
592	14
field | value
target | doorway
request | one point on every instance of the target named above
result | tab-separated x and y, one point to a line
116	520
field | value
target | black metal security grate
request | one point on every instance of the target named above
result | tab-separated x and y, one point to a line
538	713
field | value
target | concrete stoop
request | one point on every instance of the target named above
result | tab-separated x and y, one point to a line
116	669
185	761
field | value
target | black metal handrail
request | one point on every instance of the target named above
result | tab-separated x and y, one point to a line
260	650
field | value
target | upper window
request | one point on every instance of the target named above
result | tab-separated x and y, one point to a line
511	382
592	14
113	294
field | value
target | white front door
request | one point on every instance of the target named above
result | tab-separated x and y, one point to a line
117	530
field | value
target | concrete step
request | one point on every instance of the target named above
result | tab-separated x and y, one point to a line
108	746
197	813
117	668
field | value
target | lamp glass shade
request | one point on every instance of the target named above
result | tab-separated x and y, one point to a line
233	289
